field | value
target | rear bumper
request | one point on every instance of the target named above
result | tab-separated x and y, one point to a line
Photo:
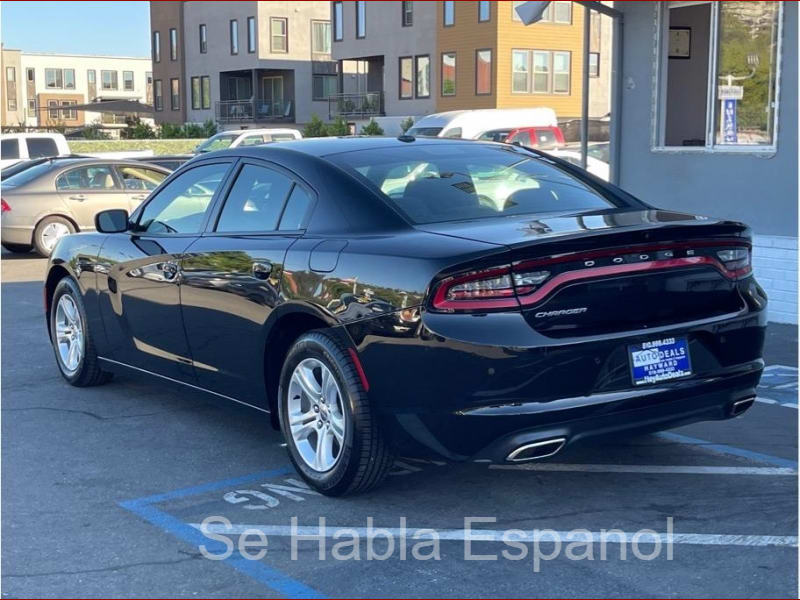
453	388
12	234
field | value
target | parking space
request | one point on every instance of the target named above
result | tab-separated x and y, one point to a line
134	489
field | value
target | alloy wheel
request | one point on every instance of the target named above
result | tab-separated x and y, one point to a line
69	334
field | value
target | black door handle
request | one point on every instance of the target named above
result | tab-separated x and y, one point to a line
262	270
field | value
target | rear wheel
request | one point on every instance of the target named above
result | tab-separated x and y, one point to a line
334	439
49	231
72	339
17	248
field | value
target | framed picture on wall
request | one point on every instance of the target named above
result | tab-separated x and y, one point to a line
680	42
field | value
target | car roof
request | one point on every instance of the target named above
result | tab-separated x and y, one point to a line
9	136
260	130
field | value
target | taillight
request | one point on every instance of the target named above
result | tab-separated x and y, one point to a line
527	283
4	207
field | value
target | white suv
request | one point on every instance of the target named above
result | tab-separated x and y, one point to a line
246	137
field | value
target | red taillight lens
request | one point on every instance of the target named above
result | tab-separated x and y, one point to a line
736	261
4	207
487	289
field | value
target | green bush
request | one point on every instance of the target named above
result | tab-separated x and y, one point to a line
95	131
170	131
315	128
372	128
338	127
137	130
407	124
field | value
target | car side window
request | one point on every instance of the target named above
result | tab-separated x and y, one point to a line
140	178
9	148
95	178
39	147
296	208
255	201
180	207
523	137
252	140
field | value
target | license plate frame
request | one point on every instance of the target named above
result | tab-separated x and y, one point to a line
659	360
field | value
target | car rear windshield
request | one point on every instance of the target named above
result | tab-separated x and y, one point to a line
217	142
29	174
425	131
454	182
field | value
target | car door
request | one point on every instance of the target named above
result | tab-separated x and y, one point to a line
231	277
138	182
88	189
139	281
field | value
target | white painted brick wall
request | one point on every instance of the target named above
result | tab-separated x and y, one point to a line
775	265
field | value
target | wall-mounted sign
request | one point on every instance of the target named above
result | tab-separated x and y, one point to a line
680	42
728	122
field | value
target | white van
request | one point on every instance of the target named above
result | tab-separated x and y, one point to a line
470	124
247	137
15	147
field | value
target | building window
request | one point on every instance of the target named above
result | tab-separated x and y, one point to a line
483	72
361	19
109	80
541	72
203	38
158	95
562	12
324	86
449	74
321	37
484	11
234	31
54	78
156	46
91	77
127	81
720	96
69	79
196	93
423	73
251	34
175	94
30	74
406	77
205	85
69	114
520	72
32	106
338	31
594	64
407	13
11	91
11	74
52	110
448	13
173	44
278	35
561	71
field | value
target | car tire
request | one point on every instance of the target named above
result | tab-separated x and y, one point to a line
17	248
362	454
69	329
48	232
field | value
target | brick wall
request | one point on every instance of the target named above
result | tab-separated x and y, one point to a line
775	265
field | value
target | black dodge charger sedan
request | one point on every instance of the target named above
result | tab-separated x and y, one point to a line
476	300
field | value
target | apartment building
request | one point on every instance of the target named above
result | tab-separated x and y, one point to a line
423	57
40	87
242	63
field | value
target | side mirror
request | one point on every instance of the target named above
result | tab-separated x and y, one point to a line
114	220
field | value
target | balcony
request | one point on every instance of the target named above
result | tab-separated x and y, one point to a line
251	111
356	105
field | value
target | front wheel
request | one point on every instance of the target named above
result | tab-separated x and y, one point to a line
72	339
334	439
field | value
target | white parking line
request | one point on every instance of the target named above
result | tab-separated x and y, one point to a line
764	400
661	469
497	535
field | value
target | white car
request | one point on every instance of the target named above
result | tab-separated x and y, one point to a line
471	124
595	166
247	137
15	147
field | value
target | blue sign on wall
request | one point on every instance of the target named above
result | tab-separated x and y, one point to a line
729	134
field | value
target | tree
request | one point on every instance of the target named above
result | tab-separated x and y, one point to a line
407	124
372	128
315	128
338	127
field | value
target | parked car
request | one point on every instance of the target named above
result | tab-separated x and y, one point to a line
472	124
168	161
15	147
498	306
594	165
247	137
57	197
542	138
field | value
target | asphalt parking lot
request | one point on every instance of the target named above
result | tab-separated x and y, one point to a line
105	491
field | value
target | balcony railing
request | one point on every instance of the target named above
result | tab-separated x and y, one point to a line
361	105
248	111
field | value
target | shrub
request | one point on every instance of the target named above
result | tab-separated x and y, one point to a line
315	128
170	131
407	124
372	128
94	131
137	130
338	127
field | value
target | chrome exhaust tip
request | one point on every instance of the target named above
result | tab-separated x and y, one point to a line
741	406
537	450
